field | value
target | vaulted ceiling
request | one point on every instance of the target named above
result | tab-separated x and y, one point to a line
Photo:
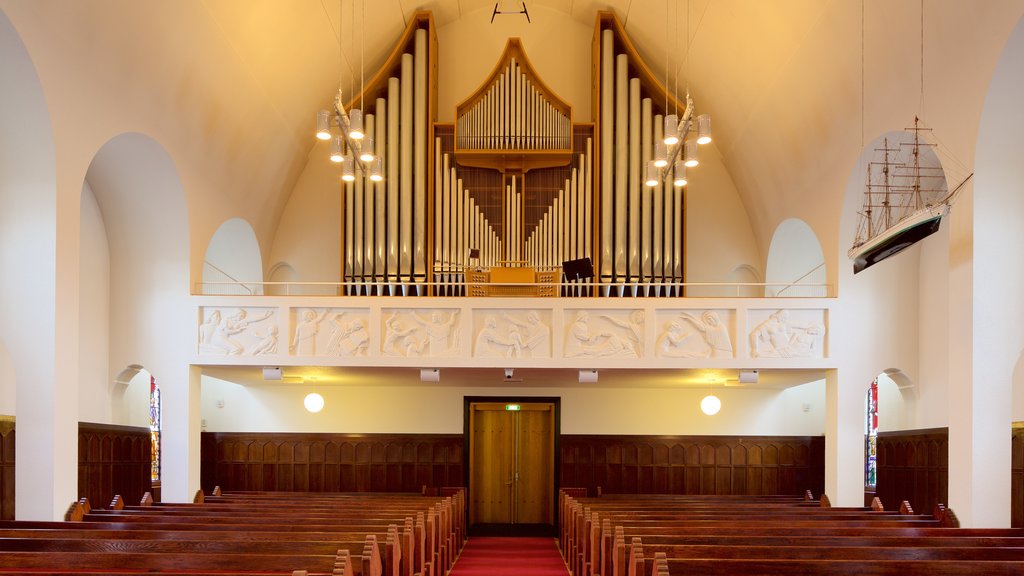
795	87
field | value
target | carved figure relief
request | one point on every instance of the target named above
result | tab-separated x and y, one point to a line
233	333
407	333
349	336
611	335
515	335
779	337
692	336
306	329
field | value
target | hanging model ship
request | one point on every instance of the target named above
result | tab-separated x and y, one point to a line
905	198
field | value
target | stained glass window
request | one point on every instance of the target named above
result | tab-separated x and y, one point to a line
871	436
154	428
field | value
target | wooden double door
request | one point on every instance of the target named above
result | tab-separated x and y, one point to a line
512	462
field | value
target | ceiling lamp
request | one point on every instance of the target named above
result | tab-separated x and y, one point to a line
651	178
313	402
710	405
376	171
671	130
366	154
345	130
703	129
348	170
690	156
660	155
337	154
679	176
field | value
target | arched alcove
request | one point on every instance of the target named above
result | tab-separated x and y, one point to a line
795	257
281	272
93	312
746	274
140	195
233	259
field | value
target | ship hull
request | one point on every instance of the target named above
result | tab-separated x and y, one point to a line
898	238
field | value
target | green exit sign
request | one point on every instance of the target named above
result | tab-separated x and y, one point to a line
513	407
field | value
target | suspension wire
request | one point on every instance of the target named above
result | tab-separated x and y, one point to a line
666	56
362	46
862	74
921	105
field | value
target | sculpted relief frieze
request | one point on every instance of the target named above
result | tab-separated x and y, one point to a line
238	331
607	333
420	333
512	334
787	334
695	334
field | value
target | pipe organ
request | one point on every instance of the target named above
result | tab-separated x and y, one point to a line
641	230
384	227
512	181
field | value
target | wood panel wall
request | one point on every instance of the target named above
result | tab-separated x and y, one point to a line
113	460
913	465
694	464
1017	478
331	462
6	469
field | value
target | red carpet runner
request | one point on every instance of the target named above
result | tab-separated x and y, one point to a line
499	556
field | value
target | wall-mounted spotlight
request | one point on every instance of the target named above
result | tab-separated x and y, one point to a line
430	375
588	376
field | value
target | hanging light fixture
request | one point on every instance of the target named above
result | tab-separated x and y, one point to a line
704	129
350	141
651	178
348	170
660	155
690	155
678	148
366	150
337	155
376	170
710	405
671	130
679	176
313	402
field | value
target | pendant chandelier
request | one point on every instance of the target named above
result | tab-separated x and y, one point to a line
344	128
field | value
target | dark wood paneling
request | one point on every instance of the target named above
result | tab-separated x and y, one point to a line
331	462
913	466
113	460
694	464
1017	479
7	469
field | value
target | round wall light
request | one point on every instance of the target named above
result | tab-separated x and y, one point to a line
313	402
710	405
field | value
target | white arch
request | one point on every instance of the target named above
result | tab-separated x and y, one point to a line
233	255
794	257
141	197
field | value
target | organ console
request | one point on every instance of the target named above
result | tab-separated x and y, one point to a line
513	177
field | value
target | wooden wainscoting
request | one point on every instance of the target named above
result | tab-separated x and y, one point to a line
6	469
113	460
913	465
1017	476
331	462
694	464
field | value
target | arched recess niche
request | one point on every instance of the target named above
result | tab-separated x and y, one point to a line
795	257
233	264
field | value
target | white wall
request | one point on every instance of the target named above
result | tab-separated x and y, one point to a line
7	384
94	381
794	257
415	407
717	227
308	237
233	255
557	45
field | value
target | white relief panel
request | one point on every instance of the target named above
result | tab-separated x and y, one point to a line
605	333
512	334
247	331
336	332
420	333
787	333
695	334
